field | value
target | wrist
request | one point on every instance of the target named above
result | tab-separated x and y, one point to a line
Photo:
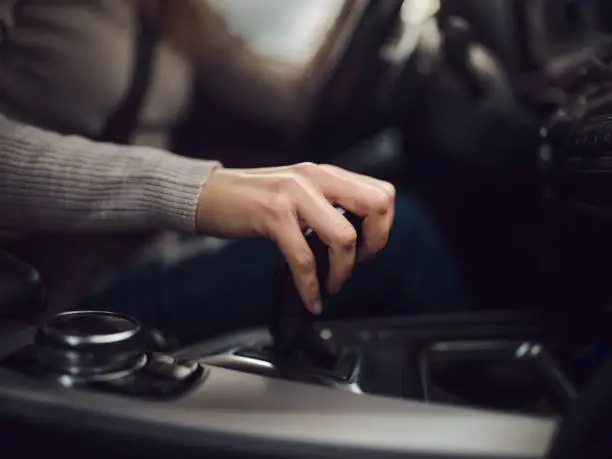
174	185
205	197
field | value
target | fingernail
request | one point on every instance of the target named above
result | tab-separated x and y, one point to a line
316	307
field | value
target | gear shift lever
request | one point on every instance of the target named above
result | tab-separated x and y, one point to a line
296	342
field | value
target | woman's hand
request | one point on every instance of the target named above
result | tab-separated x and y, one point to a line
277	203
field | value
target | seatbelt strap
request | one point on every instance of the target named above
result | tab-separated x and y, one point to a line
123	122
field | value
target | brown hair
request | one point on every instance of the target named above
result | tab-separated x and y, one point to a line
181	22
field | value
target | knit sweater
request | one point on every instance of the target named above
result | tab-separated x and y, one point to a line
64	67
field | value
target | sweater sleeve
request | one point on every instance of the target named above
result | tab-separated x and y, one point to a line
50	182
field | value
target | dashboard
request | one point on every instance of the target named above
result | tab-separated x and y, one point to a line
562	34
530	36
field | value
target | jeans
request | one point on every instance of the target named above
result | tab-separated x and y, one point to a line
201	295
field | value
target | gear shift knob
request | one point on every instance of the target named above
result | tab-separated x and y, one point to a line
296	342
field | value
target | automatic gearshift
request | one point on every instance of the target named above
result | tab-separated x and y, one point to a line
297	352
297	345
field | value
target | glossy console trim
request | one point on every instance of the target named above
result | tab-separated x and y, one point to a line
232	360
249	414
237	412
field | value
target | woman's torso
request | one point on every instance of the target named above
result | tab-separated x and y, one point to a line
65	65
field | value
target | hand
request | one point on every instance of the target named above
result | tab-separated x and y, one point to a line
277	203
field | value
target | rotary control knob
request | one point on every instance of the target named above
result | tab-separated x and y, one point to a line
89	346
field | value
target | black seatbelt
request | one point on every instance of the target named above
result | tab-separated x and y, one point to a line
123	122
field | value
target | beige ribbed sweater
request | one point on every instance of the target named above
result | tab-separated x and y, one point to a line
64	67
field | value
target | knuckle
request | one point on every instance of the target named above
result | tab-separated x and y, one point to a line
328	167
383	202
390	191
280	207
290	183
304	263
386	198
347	238
307	168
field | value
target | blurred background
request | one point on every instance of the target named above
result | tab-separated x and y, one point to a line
291	31
448	100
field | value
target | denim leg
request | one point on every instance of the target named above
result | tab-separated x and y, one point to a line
199	296
414	274
204	295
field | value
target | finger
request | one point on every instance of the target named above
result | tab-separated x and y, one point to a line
365	196
376	228
341	263
331	227
300	259
386	187
376	231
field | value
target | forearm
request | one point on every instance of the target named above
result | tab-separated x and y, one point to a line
50	182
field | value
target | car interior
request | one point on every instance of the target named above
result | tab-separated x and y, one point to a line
496	114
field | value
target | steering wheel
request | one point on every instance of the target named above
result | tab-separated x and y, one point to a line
441	74
348	100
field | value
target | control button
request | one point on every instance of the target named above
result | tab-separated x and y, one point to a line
104	351
164	377
160	366
168	369
90	345
165	359
185	370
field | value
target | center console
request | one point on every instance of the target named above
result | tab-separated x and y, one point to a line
468	386
104	352
229	397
